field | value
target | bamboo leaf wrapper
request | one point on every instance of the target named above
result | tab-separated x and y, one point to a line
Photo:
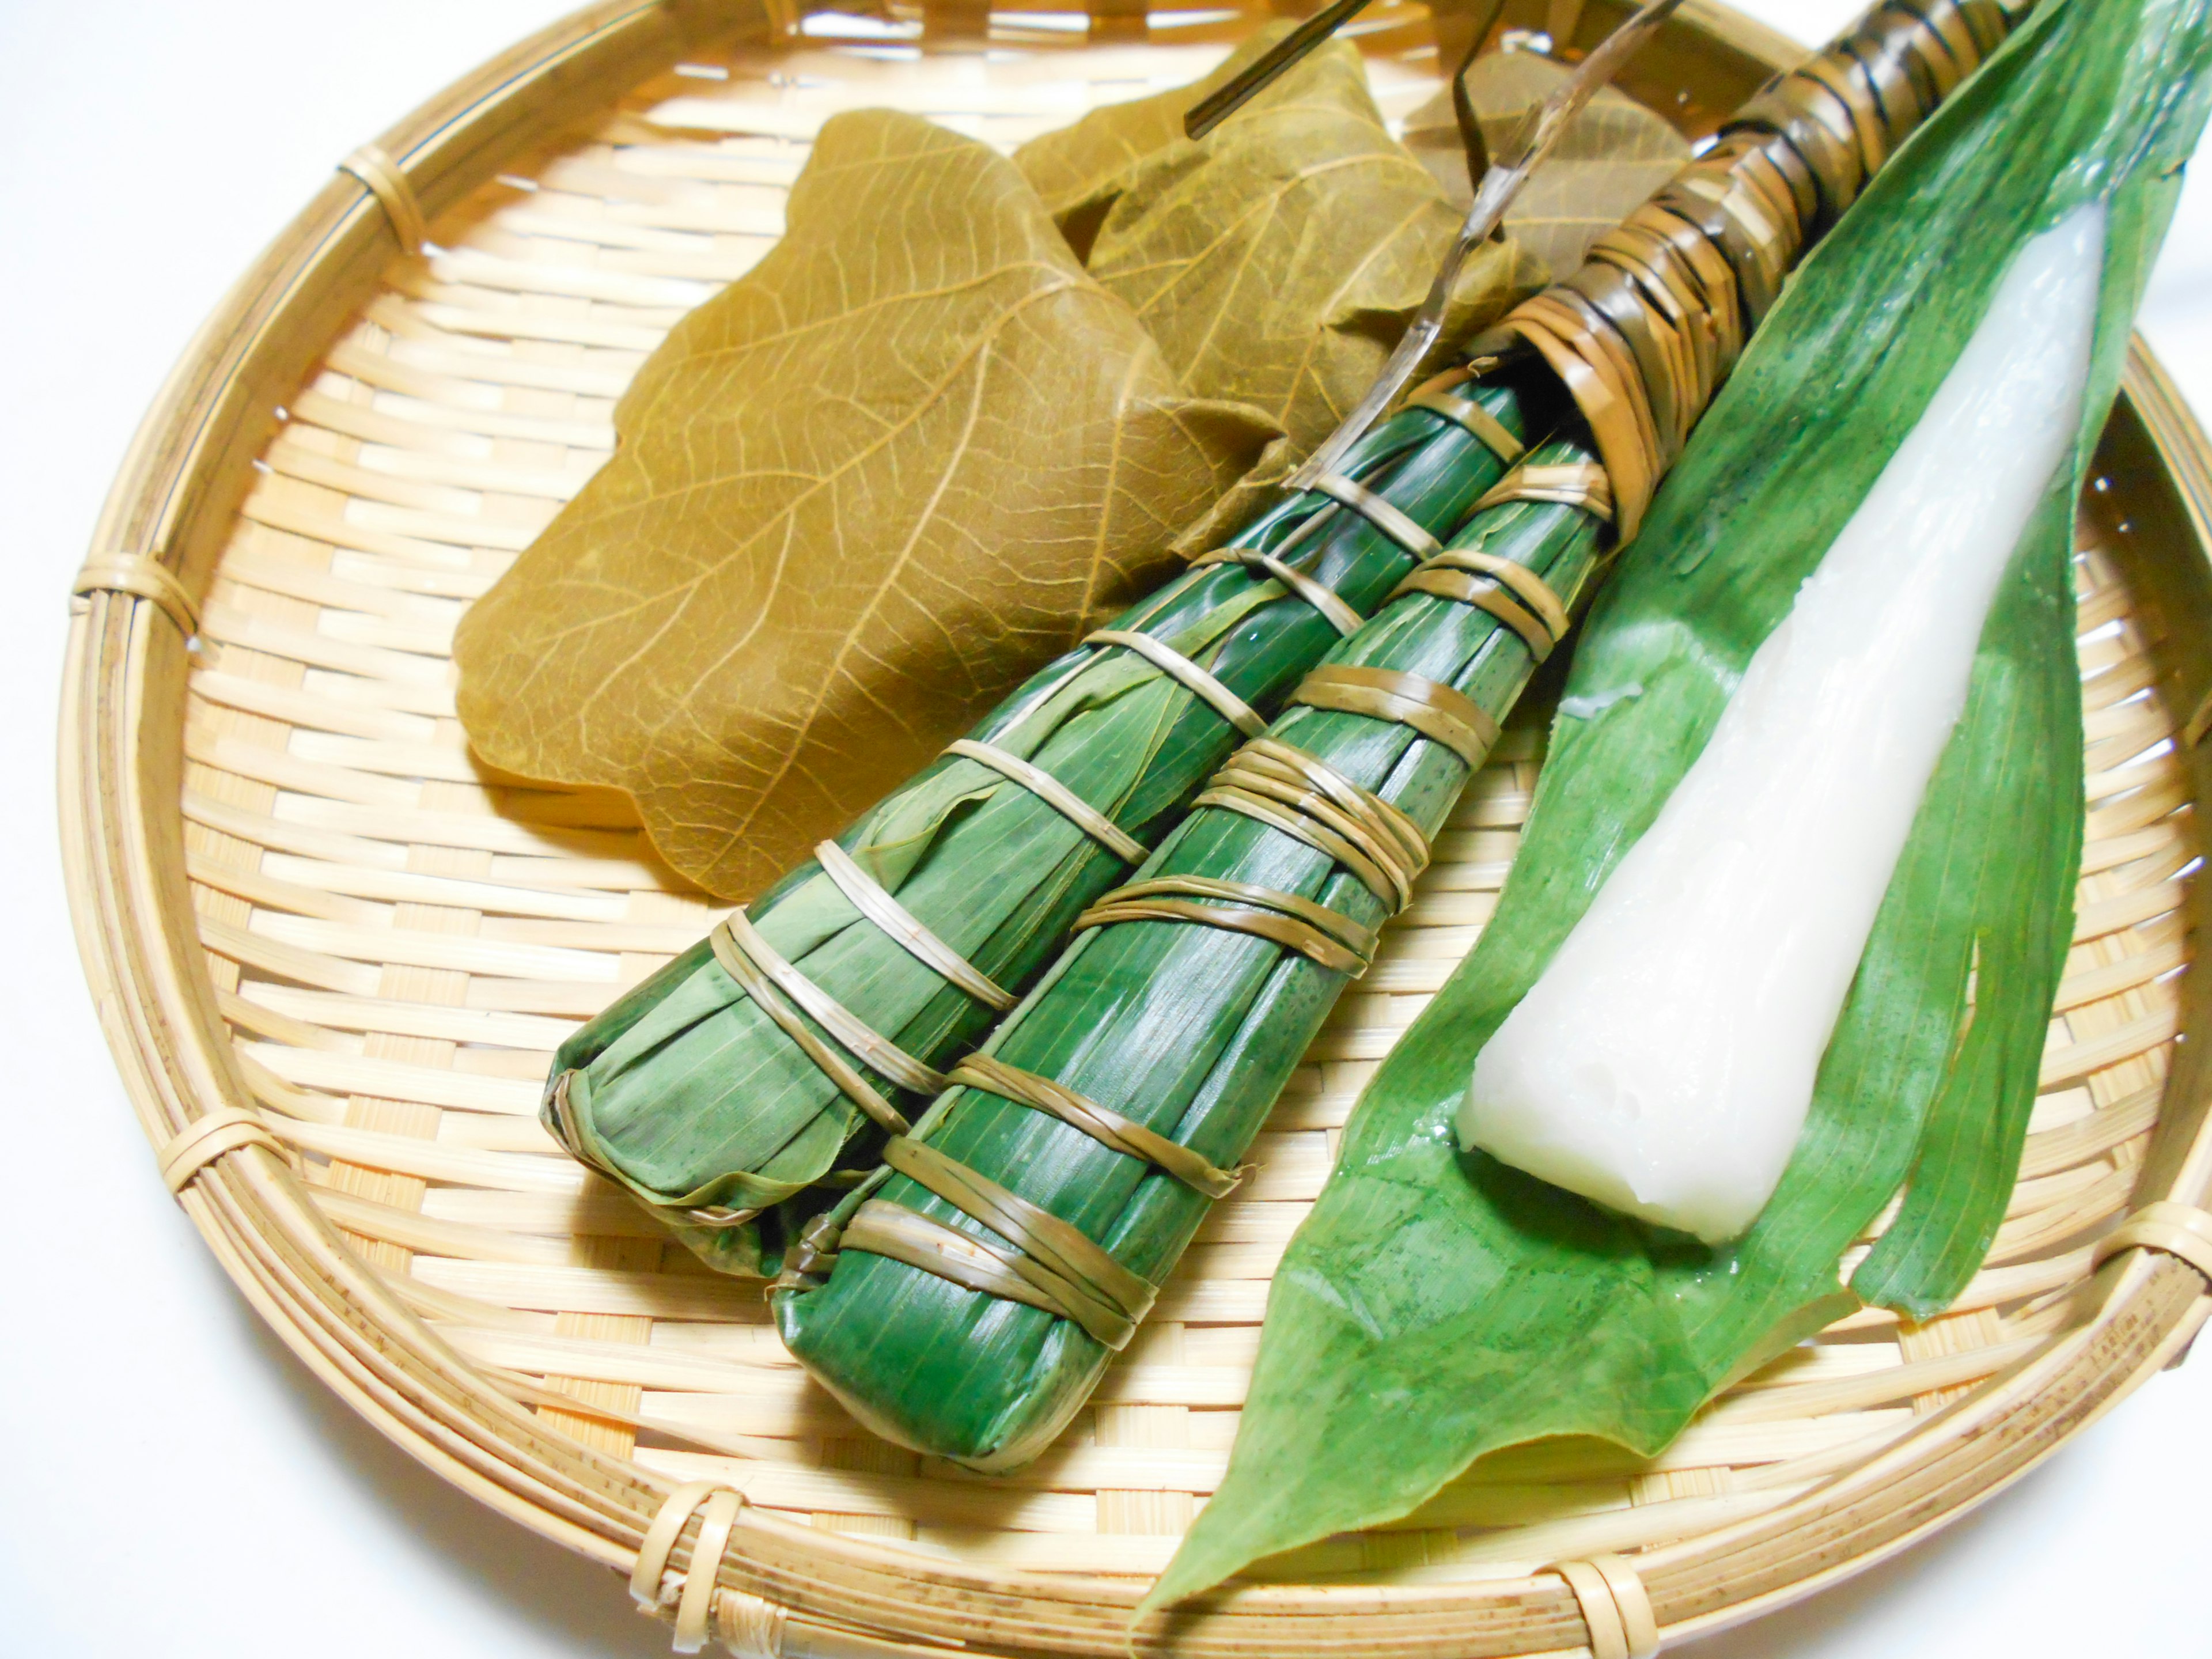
691	1094
1190	1030
1438	1305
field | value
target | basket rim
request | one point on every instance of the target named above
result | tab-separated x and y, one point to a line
120	762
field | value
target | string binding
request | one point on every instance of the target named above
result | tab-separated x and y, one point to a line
384	180
205	1139
143	576
1615	1606
748	1626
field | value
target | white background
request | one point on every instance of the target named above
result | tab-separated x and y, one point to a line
170	1481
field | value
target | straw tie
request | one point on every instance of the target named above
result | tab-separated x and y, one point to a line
1194	679
1587	487
869	897
205	1139
1079	1279
142	576
1328	938
1512	592
1381	514
1439	396
1439	712
1046	1262
747	1626
1101	1123
762	974
1377	842
1056	795
2179	1230
880	1227
1329	603
381	174
878	1052
1615	1606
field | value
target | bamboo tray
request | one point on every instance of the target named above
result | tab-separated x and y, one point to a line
332	953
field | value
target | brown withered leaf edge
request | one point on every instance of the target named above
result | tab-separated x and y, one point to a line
1277	260
1612	155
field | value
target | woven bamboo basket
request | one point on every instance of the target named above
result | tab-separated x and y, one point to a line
332	952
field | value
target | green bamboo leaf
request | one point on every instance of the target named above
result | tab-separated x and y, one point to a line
1437	1306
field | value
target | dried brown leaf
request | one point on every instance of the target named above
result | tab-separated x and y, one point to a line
858	496
1081	169
1612	155
1277	260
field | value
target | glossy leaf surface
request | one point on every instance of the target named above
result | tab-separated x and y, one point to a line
1437	1306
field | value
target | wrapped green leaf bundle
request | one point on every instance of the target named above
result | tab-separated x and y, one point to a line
1088	1138
977	1285
1494	1308
732	1079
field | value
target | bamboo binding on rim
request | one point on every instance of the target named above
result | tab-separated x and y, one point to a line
316	930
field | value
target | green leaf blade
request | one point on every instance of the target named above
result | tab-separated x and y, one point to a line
2087	90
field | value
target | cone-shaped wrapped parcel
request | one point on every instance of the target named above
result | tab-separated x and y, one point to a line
734	1078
